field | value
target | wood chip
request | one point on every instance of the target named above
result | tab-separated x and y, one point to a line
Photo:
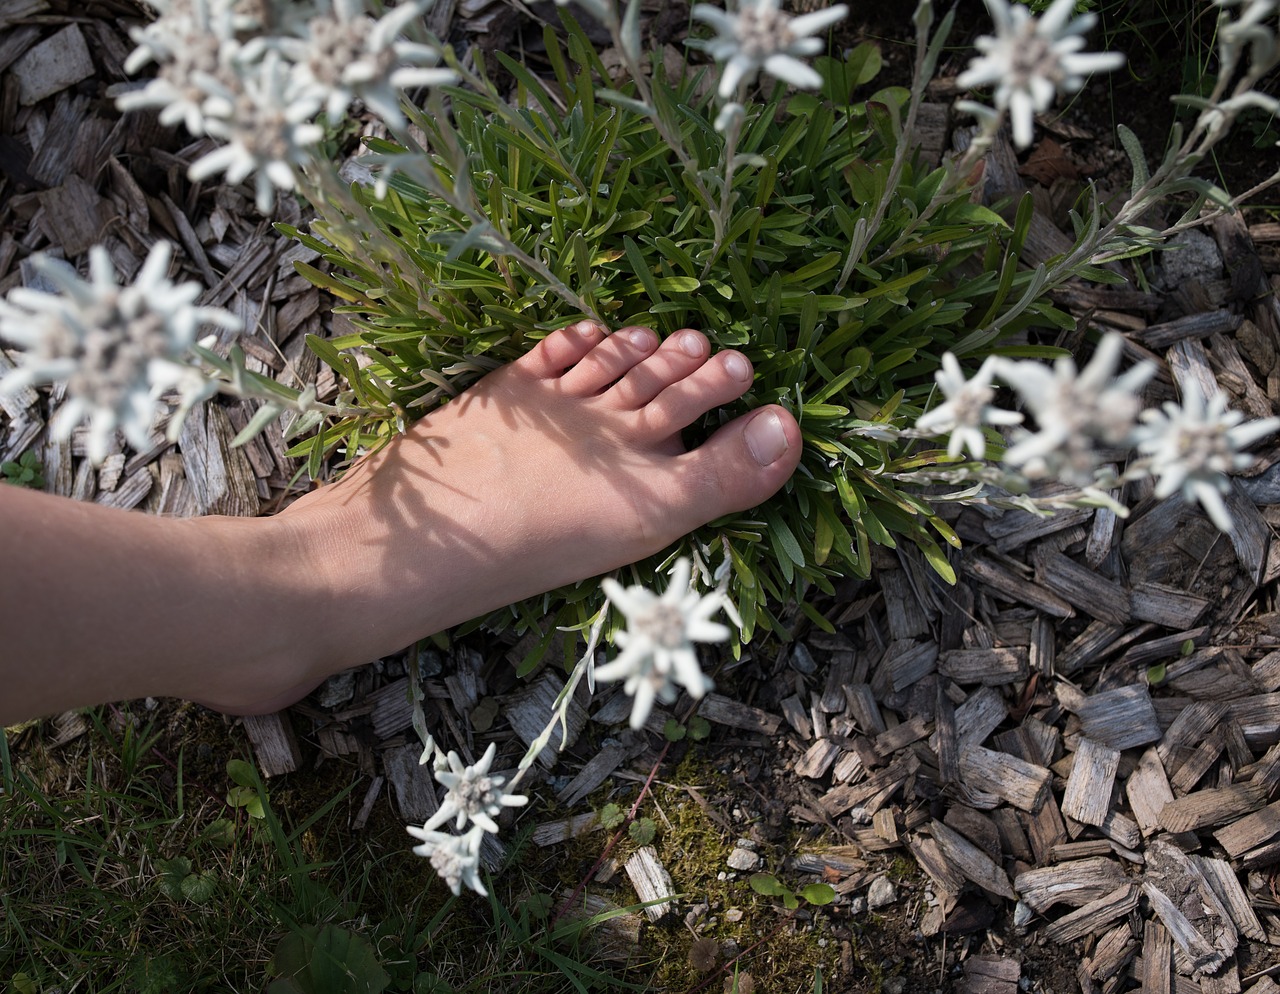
972	862
1251	831
1076	883
1094	915
1120	718
1093	774
274	745
528	709
726	711
413	782
989	667
1157	959
1013	780
59	61
651	882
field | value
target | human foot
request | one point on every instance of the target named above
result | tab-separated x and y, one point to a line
561	466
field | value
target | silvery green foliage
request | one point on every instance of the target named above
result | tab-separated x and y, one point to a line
1030	60
658	642
116	347
1084	416
258	91
760	36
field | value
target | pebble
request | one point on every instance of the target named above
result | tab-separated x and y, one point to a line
857	904
1192	255
894	985
881	893
743	859
337	690
733	915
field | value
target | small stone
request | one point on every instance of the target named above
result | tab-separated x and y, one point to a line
337	690
750	844
857	904
894	985
881	893
733	915
802	659
743	859
1190	255
696	914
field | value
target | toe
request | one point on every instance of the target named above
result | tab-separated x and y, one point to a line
722	378
740	466
562	349
677	357
609	360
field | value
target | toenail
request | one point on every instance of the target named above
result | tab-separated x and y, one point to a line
767	438
691	344
640	338
737	365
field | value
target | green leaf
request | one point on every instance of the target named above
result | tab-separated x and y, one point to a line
330	960
766	884
673	731
642	831
818	894
611	816
1137	157
200	887
699	728
241	773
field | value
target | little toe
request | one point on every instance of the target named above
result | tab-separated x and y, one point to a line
562	349
723	378
678	356
610	360
743	464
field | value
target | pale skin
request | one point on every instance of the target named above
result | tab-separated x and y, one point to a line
561	466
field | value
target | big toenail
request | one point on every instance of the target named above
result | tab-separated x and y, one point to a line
767	438
737	366
640	338
691	344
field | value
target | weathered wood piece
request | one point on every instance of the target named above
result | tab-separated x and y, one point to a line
412	781
1167	333
971	861
527	709
274	744
1093	776
989	975
366	805
554	832
1077	883
1185	936
59	61
976	718
651	881
1251	831
1212	806
1013	780
989	667
1120	718
1157	958
1094	915
593	773
1235	902
1082	587
1016	588
726	711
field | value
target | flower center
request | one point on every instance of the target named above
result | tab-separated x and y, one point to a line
1032	56
763	32
663	625
475	795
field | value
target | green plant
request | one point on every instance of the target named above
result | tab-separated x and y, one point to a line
25	471
769	885
846	337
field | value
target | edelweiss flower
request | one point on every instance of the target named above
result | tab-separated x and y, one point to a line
1194	446
967	408
116	347
759	36
455	857
346	54
265	122
473	794
657	647
1031	59
1074	411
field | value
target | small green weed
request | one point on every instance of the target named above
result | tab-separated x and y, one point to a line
25	471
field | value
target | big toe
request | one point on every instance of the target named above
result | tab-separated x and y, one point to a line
743	464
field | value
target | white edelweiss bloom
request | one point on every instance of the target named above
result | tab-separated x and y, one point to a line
1074	411
455	857
657	646
1193	446
1030	60
266	123
760	36
473	795
966	409
345	54
117	347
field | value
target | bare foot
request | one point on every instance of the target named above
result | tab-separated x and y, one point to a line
561	466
